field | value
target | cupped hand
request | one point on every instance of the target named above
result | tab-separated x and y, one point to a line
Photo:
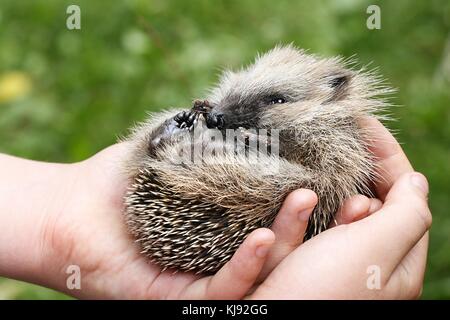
60	216
381	256
88	230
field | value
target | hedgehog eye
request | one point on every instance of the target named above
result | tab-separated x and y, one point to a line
277	100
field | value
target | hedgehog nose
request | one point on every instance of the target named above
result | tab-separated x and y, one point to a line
215	121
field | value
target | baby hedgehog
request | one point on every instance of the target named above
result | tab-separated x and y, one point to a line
193	215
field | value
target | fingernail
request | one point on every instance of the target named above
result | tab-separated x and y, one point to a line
262	251
420	182
305	214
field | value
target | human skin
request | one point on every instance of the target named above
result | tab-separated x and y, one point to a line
394	239
56	215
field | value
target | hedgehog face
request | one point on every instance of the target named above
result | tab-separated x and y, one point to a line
315	104
283	76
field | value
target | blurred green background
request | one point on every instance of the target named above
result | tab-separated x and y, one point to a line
65	95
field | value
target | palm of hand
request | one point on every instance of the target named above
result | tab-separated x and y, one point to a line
90	232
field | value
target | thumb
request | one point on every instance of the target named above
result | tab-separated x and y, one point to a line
407	204
401	222
408	185
408	199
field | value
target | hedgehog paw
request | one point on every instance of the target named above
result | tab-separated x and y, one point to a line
186	120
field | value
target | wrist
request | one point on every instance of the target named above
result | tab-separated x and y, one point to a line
33	197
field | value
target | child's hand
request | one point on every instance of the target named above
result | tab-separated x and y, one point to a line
53	216
382	256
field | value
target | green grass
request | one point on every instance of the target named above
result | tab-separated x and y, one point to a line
87	87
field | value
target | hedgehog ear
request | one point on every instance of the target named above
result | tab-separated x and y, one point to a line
339	84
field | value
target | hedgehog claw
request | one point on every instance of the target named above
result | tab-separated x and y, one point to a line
191	117
186	119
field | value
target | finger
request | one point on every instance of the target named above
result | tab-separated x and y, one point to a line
391	161
407	278
238	275
399	225
352	208
356	208
289	226
375	205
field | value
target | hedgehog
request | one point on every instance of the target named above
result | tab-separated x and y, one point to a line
302	109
